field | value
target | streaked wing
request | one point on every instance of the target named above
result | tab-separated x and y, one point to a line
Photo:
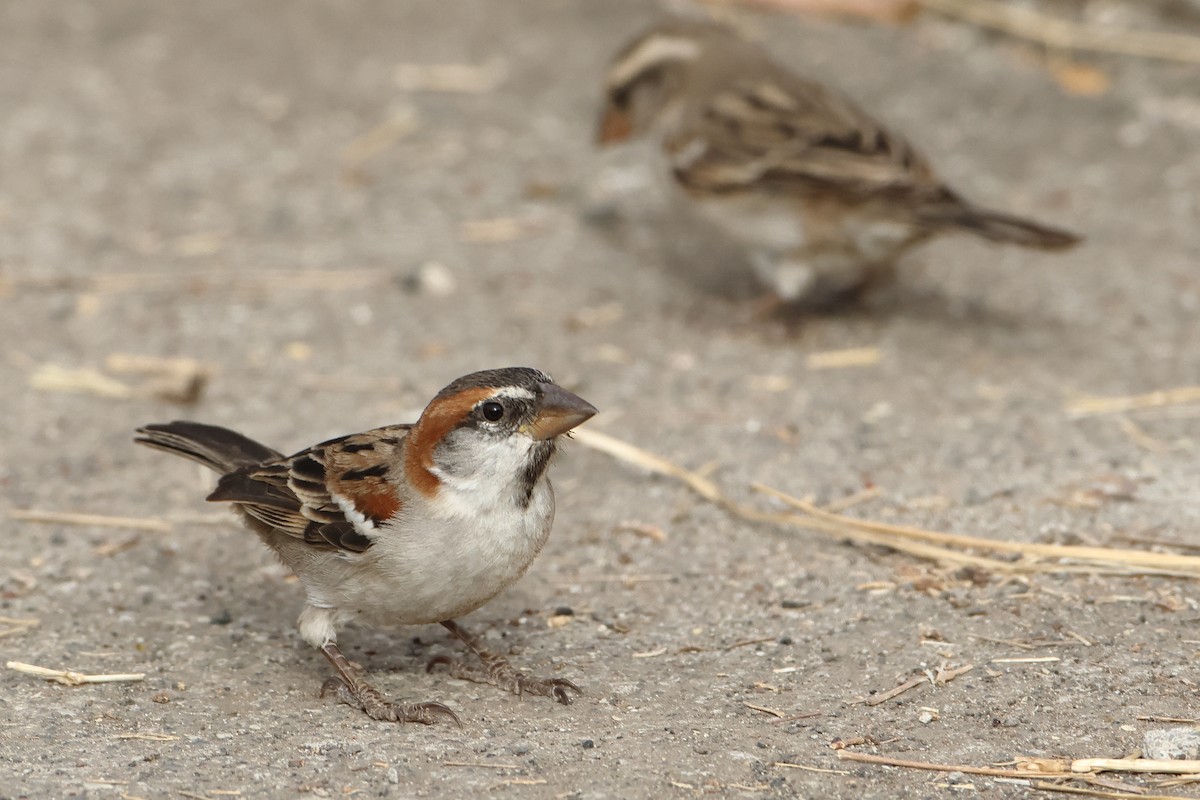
788	135
331	495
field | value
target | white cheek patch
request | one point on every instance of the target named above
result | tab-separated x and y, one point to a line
655	50
485	479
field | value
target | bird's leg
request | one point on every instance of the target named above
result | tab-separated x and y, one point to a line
854	287
498	672
353	690
820	277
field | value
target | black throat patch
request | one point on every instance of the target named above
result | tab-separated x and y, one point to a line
539	459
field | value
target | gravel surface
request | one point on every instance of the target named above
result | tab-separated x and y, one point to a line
266	188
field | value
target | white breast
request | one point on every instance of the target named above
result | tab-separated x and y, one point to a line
758	221
429	563
441	568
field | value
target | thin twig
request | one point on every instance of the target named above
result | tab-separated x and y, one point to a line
96	520
772	711
849	501
650	653
469	78
1152	542
1077	637
1061	34
118	546
1160	563
86	380
1165	766
794	717
748	642
19	625
68	678
1181	780
933	546
630	579
379	138
334	280
806	768
883	697
1090	406
1089	792
1140	437
149	737
849	755
944	675
843	359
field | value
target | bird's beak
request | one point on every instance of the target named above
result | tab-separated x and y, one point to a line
615	126
560	411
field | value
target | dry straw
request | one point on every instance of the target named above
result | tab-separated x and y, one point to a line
942	548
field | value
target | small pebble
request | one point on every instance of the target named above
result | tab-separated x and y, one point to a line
432	279
1172	743
393	775
587	744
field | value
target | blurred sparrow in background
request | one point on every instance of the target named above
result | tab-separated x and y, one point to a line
823	195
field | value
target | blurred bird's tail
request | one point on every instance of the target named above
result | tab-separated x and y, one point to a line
218	448
1001	227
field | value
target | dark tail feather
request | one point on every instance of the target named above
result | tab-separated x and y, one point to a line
217	448
1001	227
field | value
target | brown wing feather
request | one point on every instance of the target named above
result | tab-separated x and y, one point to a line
262	493
299	495
788	135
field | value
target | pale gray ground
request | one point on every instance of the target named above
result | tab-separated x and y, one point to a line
204	143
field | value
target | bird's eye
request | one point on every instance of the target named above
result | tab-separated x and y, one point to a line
492	411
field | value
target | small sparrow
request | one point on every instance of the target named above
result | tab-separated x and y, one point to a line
405	524
823	195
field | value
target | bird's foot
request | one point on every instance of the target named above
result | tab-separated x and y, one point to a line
497	671
367	698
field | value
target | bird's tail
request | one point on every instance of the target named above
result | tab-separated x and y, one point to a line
218	448
1000	227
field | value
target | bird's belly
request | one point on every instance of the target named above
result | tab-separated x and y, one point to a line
441	570
878	240
757	221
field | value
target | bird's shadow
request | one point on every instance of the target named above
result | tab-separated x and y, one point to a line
718	287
